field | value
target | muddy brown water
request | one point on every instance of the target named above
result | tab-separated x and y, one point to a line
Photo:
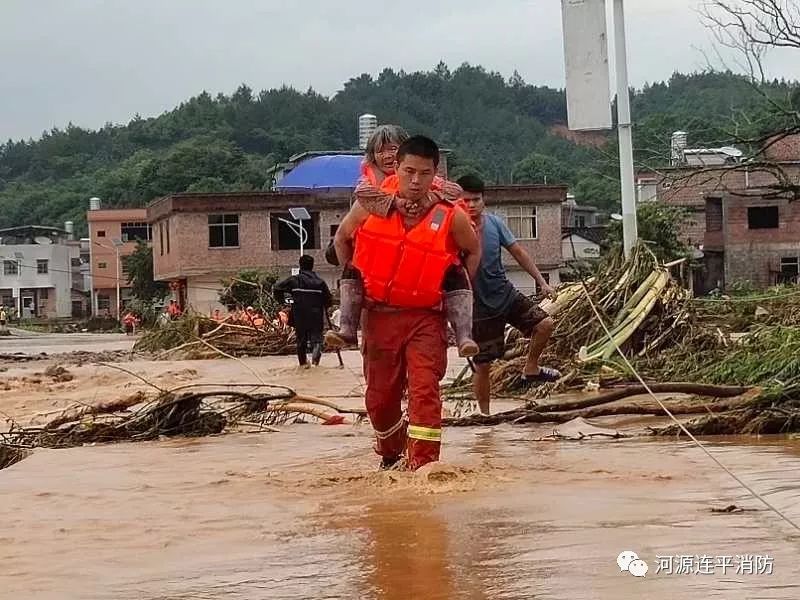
303	514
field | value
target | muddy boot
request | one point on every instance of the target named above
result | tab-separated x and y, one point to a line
351	297
459	312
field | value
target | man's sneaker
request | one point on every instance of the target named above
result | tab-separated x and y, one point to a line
390	462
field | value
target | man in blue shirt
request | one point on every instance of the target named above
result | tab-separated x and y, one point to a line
498	302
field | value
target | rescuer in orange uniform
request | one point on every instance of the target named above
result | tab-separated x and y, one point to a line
403	258
375	192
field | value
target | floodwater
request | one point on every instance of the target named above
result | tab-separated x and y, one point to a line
303	514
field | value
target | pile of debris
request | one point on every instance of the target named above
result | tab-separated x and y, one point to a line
678	344
195	336
191	410
644	307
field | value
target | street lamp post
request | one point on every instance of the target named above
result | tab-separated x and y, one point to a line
117	243
299	214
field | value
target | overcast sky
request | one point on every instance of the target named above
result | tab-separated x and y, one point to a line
94	61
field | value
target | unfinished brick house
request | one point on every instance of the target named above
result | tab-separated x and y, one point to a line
199	239
743	216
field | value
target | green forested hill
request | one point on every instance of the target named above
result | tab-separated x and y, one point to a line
497	127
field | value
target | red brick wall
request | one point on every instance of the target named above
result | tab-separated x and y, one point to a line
754	254
190	254
546	249
186	216
689	188
783	149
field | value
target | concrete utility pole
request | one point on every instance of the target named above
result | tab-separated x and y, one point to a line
588	81
627	187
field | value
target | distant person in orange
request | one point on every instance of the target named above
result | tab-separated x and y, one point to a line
129	322
284	317
173	310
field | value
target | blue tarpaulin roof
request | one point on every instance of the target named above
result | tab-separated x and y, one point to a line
334	171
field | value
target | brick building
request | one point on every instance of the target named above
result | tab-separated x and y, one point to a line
112	237
199	239
747	229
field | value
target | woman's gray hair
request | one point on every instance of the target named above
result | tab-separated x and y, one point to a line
384	134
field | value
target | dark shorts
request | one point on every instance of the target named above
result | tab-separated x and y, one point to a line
523	314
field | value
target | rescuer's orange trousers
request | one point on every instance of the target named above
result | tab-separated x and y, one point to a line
405	349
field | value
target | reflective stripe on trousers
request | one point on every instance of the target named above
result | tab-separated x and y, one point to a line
406	349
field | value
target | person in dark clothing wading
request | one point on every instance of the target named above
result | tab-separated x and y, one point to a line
311	297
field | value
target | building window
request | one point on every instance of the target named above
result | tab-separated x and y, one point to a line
161	238
714	214
136	231
334	229
42	266
285	238
102	265
648	190
521	220
166	228
10	267
103	302
580	221
790	269
101	233
223	231
124	265
762	217
44	293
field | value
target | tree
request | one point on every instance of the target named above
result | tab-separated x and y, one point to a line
541	168
491	123
659	227
140	274
753	29
251	287
145	289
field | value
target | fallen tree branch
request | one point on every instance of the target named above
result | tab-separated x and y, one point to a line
695	389
75	413
525	415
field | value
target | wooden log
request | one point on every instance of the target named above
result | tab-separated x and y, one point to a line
695	389
522	415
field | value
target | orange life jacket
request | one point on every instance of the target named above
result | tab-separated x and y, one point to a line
405	268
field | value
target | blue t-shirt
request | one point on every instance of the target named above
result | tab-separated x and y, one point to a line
493	291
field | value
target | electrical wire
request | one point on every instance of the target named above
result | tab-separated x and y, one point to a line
738	479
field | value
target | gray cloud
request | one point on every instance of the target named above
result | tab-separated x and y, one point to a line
93	61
